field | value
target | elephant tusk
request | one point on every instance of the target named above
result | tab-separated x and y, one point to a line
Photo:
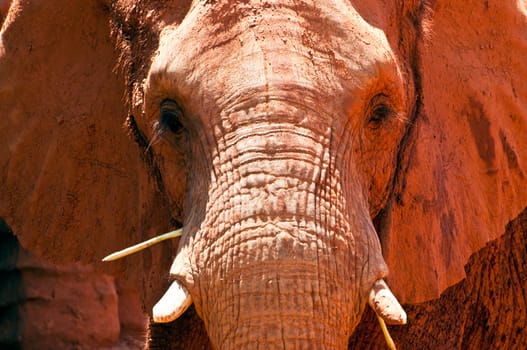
385	305
387	308
172	304
143	245
386	333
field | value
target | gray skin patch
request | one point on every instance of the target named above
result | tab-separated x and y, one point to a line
480	128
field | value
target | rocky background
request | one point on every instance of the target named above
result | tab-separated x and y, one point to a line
46	306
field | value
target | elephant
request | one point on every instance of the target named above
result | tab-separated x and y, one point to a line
312	152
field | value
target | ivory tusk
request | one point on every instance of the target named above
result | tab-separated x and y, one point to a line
386	333
387	308
172	304
143	245
385	304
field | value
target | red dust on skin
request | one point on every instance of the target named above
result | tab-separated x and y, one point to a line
82	188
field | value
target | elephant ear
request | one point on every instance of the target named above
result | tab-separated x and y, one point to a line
73	186
465	164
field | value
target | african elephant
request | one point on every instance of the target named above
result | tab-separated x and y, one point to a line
305	147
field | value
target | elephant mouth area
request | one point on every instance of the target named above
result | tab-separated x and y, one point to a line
278	273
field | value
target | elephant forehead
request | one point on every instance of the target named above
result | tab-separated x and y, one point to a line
329	49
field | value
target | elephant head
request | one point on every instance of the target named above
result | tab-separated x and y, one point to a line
304	146
283	182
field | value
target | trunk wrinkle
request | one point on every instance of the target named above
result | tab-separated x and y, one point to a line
280	308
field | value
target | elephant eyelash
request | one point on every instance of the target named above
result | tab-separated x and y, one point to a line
379	111
378	115
169	118
168	124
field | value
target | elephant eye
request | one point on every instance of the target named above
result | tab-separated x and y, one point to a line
170	117
379	111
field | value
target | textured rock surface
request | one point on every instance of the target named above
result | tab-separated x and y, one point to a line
67	307
46	306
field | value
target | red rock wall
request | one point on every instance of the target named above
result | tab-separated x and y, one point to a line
45	306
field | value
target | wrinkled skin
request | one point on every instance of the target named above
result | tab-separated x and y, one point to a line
281	193
297	124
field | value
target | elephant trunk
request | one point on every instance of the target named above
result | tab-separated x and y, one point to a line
282	306
283	250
